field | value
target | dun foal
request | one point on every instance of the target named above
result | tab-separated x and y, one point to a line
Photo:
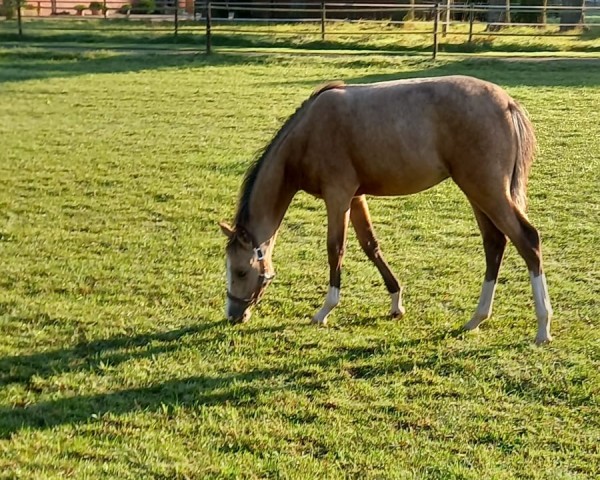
390	138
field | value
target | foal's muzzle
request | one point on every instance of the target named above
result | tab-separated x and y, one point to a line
239	308
238	313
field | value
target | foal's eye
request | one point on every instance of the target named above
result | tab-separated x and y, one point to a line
241	273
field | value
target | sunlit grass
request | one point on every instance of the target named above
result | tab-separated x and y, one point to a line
115	361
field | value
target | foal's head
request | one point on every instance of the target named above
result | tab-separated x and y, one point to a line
248	273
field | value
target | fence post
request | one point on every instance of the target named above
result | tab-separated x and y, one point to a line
176	19
208	27
446	25
19	20
436	18
411	11
545	12
323	18
471	19
104	9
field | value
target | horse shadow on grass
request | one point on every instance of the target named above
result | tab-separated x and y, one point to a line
240	389
90	356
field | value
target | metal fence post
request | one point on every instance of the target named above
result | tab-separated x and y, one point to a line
176	19
208	27
436	18
323	18
471	19
19	19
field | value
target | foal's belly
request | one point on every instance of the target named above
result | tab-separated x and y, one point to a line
401	178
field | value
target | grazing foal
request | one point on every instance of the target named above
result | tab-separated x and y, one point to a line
390	138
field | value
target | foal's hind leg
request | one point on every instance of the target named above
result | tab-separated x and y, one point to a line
494	244
361	220
510	220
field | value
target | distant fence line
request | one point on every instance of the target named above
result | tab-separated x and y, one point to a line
222	17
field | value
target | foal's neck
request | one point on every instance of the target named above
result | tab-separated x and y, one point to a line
270	199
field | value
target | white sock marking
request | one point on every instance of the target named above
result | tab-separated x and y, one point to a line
397	310
543	309
331	300
484	307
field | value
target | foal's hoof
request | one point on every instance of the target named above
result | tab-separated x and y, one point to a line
398	313
543	339
473	324
319	321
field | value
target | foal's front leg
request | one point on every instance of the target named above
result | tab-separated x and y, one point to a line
361	220
337	228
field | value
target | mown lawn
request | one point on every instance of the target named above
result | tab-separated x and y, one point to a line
115	360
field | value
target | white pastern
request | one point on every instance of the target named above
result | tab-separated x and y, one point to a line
484	307
227	301
332	299
397	310
543	309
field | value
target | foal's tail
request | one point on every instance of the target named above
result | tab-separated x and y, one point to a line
526	146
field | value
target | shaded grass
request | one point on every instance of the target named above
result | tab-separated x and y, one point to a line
116	363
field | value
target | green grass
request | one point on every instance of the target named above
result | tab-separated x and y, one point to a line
115	361
413	36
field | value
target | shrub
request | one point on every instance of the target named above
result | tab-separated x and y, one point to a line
143	6
96	6
8	9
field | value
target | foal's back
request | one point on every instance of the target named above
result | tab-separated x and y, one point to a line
404	136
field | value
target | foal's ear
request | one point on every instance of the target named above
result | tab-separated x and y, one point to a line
227	230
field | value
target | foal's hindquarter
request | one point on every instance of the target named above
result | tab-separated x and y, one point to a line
399	138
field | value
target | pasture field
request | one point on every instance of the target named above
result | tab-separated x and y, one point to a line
115	359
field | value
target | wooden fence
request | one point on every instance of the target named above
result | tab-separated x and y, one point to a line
223	18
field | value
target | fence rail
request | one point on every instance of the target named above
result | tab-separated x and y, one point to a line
207	18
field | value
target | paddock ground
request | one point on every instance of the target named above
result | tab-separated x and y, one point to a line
115	361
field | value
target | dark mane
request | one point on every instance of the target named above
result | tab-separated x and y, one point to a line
241	217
